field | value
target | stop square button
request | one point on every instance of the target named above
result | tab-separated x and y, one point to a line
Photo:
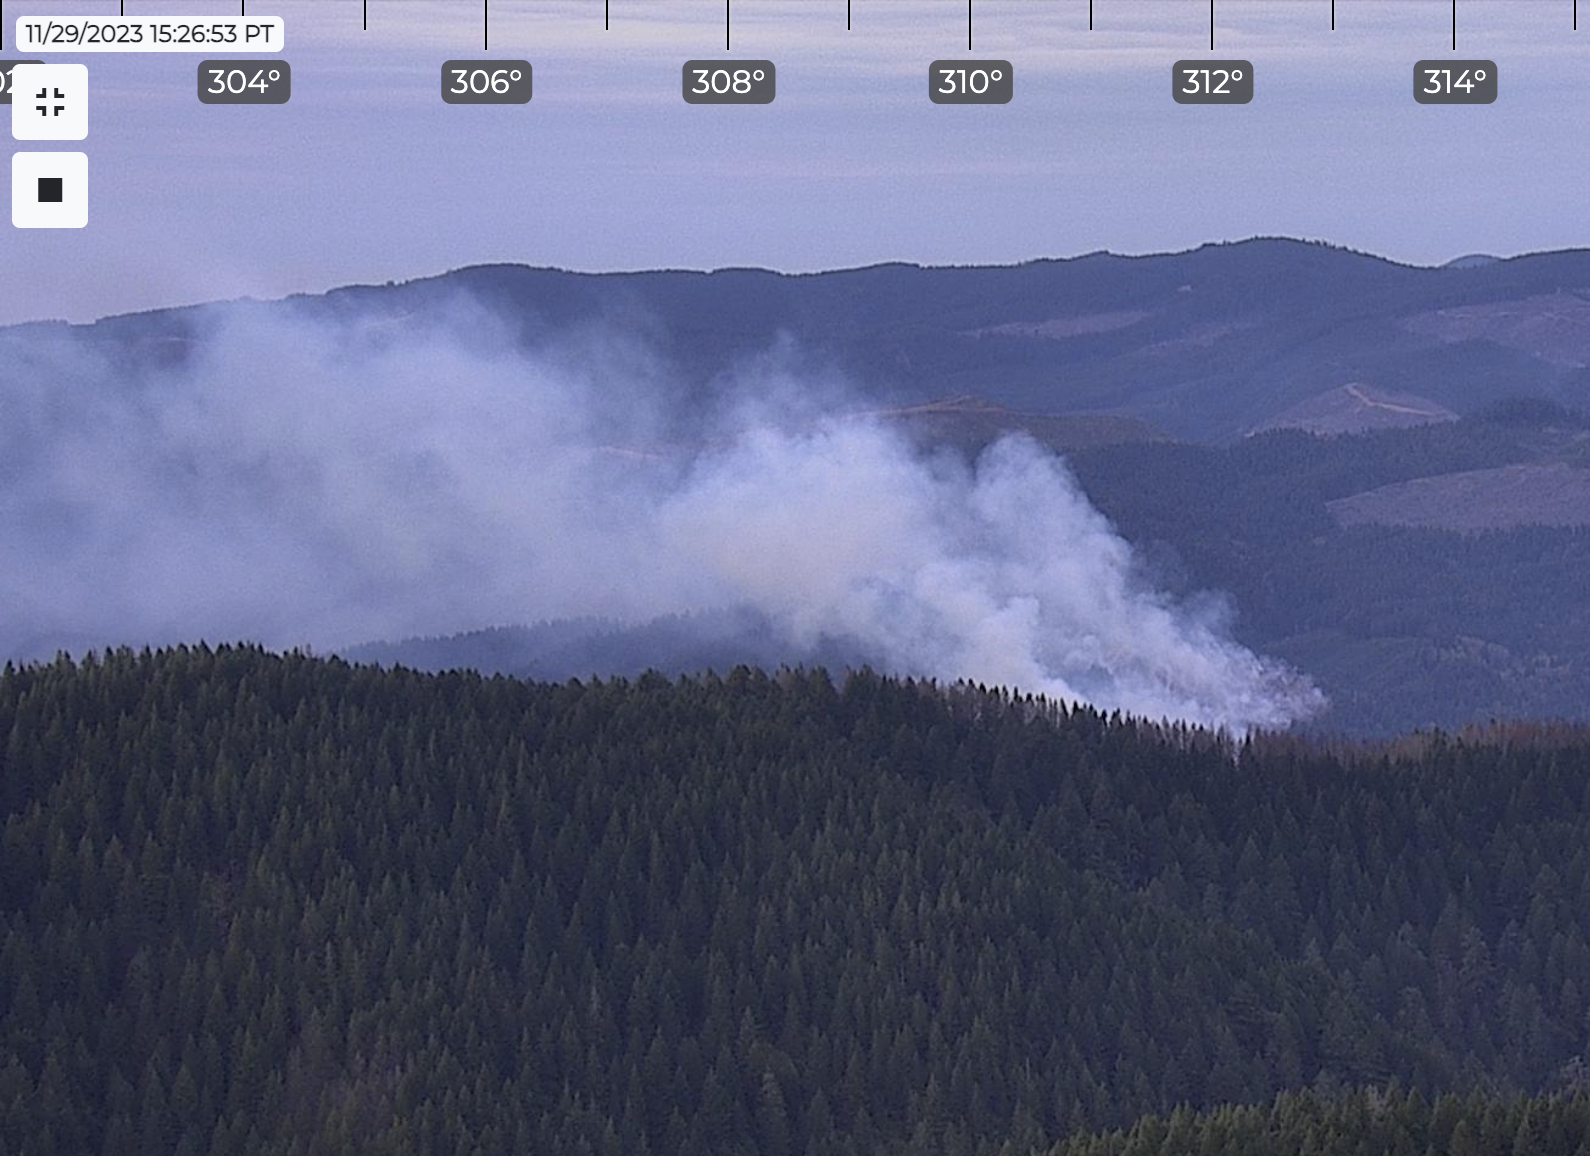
49	190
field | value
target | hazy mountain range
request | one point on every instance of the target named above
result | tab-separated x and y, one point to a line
1204	345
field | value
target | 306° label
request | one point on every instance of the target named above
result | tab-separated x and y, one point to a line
486	82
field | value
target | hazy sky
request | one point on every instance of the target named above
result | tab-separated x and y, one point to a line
367	175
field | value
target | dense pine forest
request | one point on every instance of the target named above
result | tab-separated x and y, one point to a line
257	903
1394	1124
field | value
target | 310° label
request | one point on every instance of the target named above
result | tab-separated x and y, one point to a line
971	81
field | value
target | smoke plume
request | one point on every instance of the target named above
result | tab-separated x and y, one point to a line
303	482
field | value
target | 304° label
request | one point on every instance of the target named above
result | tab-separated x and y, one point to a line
245	82
1212	81
1455	82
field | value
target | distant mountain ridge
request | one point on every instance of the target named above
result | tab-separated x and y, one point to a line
971	423
1204	344
672	644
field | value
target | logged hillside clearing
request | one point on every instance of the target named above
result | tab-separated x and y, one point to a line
1495	499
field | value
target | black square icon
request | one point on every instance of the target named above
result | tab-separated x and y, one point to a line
52	190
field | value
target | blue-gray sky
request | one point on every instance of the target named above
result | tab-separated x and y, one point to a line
367	176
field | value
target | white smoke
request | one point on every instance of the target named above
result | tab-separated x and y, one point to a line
304	482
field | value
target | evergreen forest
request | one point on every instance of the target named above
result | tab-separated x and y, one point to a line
274	903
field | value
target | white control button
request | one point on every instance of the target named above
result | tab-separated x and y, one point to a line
49	190
49	101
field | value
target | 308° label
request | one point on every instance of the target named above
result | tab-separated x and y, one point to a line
730	81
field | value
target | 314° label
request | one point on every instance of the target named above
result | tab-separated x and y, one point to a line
1455	82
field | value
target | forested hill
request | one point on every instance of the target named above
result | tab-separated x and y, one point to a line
254	903
1395	1124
